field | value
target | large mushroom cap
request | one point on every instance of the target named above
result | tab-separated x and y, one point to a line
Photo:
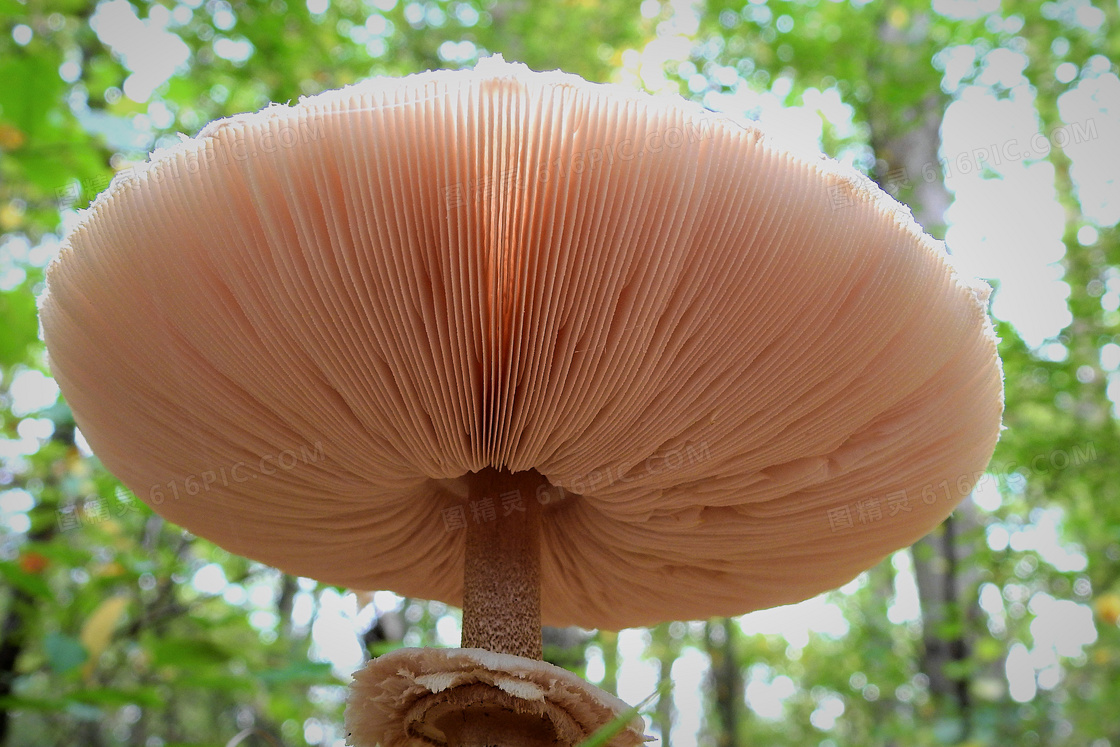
750	372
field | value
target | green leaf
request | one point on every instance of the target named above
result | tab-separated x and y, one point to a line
109	696
304	672
20	322
380	648
215	681
27	582
186	652
32	87
64	652
20	703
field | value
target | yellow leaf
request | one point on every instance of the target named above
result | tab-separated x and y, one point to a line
11	217
11	138
1108	607
111	526
98	629
110	570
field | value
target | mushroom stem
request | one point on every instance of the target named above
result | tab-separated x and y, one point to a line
502	570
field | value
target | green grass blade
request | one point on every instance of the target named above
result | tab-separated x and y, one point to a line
608	731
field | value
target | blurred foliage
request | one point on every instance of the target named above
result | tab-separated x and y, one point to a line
104	640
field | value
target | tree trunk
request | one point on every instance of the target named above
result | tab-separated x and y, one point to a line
13	633
720	638
946	591
285	599
565	647
666	649
608	642
907	144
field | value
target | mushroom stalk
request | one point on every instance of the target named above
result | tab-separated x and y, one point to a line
502	570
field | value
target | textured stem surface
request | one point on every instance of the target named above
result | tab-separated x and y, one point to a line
502	571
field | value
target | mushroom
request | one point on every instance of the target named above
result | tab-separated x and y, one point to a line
475	697
547	349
